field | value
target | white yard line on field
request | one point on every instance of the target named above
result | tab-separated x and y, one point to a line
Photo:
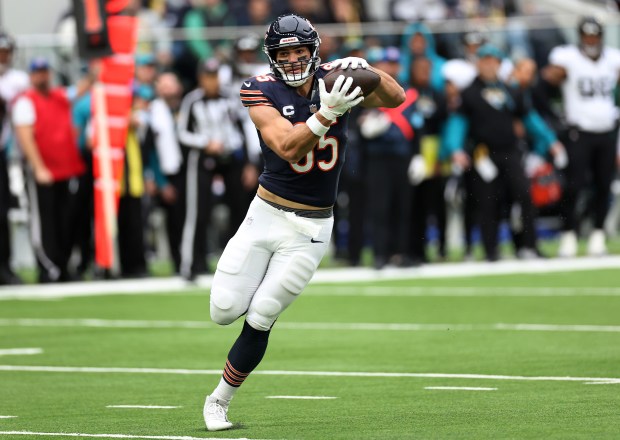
180	371
461	388
127	436
457	291
104	323
302	397
19	351
611	382
176	285
446	327
143	406
344	326
8	417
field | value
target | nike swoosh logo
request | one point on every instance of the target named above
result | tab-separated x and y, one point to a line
247	84
312	240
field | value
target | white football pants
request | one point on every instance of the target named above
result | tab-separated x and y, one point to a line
267	264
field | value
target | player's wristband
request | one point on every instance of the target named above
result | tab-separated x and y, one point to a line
315	126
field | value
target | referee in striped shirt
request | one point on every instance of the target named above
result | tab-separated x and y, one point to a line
211	141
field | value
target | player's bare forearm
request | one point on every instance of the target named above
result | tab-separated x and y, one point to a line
554	75
299	142
290	142
25	137
388	94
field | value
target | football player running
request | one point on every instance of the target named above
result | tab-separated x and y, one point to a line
588	73
303	132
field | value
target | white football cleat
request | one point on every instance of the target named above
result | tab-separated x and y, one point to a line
568	244
596	243
215	415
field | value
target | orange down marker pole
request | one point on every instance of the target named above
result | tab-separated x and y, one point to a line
111	115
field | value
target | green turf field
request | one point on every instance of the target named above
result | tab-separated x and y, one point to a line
544	351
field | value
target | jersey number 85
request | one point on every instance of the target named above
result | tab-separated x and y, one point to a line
307	164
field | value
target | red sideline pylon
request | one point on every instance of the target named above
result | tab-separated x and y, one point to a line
111	106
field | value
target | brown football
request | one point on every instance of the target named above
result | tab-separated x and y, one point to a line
366	79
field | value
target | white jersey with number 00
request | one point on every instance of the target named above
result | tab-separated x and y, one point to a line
589	87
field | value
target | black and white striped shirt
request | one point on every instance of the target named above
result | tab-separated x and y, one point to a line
203	120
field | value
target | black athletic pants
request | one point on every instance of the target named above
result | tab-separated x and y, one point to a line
52	225
469	211
428	201
489	197
590	155
84	231
389	196
196	201
5	198
174	219
131	248
356	190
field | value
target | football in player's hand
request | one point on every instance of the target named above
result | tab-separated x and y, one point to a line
366	79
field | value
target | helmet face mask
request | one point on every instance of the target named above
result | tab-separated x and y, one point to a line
294	73
290	31
246	55
591	37
6	42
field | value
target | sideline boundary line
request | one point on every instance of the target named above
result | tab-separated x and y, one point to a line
127	436
323	276
460	291
461	388
302	397
180	371
343	326
143	406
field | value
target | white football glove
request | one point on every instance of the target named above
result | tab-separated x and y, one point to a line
417	170
532	163
560	158
486	168
353	62
374	123
336	103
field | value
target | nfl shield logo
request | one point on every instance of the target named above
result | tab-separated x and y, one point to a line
313	108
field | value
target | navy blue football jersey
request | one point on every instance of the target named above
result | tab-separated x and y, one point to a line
314	179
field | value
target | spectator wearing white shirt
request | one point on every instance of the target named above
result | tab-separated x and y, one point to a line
12	82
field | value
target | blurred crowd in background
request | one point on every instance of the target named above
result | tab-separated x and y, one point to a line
192	170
